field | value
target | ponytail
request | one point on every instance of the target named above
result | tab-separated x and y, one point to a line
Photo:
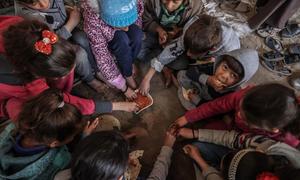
48	117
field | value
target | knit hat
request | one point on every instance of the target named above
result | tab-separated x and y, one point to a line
118	13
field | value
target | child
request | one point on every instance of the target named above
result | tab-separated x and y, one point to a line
34	147
104	155
53	13
163	21
246	164
114	30
202	36
267	109
28	68
210	81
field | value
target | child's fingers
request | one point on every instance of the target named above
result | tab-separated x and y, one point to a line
88	123
96	122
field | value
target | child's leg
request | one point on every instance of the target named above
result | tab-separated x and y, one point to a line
180	63
135	35
120	47
149	44
212	153
84	70
79	37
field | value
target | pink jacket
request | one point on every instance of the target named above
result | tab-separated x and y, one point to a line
99	34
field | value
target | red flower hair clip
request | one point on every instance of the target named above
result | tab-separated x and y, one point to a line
45	45
266	176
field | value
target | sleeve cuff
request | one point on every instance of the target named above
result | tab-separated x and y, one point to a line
166	150
210	171
203	78
158	66
64	33
103	107
119	82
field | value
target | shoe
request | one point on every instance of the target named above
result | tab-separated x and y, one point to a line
278	67
294	48
266	30
291	30
273	44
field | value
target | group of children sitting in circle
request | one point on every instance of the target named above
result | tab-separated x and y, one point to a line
42	49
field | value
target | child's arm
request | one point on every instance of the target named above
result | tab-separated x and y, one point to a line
74	19
163	161
150	19
140	8
145	84
218	106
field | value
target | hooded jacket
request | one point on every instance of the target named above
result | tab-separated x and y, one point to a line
14	92
43	165
100	34
151	16
55	16
247	58
196	76
229	41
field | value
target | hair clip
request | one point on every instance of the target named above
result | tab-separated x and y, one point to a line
61	104
45	45
266	176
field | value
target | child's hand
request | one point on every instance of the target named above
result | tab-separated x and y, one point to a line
187	133
162	35
74	19
215	83
169	139
90	127
181	121
144	87
129	106
130	94
192	151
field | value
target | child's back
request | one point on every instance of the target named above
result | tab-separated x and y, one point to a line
35	147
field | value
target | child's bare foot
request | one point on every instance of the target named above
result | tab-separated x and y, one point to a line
98	86
131	82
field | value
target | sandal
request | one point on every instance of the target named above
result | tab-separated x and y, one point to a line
292	59
294	49
266	30
278	67
273	44
290	31
272	56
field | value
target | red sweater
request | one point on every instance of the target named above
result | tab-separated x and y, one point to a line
229	103
13	96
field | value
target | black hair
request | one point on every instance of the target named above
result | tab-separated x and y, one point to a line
100	156
234	65
47	117
203	34
270	106
19	40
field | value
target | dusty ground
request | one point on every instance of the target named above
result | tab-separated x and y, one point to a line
152	123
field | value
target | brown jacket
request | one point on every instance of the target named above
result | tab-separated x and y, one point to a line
153	10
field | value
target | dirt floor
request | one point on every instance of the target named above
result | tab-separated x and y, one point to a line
152	123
